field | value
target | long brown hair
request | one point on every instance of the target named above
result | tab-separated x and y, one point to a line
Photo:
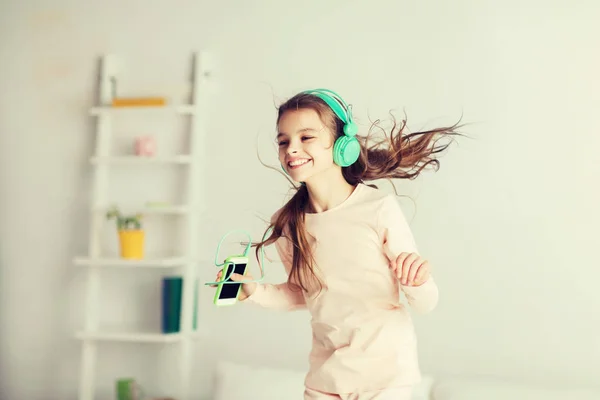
398	155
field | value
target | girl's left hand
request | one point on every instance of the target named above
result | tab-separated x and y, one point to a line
411	269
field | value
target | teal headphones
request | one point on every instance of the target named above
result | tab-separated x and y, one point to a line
346	149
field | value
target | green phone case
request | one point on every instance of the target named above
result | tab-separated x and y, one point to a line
238	259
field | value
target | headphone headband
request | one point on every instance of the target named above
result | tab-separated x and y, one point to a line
335	102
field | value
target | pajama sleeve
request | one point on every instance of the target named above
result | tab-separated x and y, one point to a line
397	238
279	296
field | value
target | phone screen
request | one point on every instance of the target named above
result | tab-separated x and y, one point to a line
229	290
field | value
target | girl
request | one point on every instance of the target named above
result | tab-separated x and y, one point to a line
348	250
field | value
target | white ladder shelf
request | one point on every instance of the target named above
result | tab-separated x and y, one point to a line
95	261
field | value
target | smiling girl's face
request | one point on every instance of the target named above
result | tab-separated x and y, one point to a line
305	145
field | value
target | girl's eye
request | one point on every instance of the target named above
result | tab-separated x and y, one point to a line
304	138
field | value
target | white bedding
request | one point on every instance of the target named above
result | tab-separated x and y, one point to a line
234	381
490	389
250	382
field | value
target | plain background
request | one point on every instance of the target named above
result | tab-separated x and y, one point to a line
510	222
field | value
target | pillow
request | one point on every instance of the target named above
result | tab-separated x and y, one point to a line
234	381
488	389
244	382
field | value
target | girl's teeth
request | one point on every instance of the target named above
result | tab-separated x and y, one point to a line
299	162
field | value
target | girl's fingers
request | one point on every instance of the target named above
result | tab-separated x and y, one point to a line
238	277
397	265
218	278
406	267
422	274
417	276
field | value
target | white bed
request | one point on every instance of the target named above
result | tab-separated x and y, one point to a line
283	384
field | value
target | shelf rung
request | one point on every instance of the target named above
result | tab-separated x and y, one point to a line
178	109
134	337
135	160
169	262
139	337
144	209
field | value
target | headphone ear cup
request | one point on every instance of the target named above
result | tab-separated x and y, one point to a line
346	151
350	129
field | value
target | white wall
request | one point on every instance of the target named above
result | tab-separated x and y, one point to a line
510	222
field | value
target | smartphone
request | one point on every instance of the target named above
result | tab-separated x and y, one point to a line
227	294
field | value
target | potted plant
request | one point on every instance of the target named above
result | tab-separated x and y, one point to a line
131	234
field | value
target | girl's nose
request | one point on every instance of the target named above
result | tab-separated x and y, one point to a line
292	148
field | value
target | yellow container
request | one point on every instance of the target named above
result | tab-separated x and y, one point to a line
139	102
132	244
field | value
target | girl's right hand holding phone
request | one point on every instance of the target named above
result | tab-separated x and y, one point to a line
247	288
